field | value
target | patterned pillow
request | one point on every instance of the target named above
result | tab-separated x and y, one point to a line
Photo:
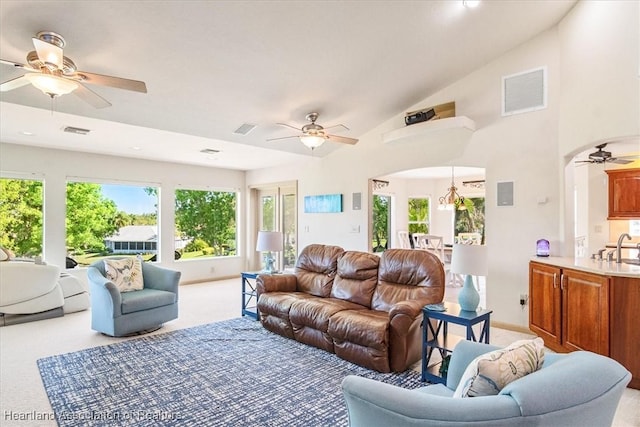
125	273
487	374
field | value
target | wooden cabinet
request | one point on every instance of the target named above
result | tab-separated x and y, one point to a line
569	309
624	193
625	333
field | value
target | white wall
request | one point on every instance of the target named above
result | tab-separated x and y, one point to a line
55	166
592	61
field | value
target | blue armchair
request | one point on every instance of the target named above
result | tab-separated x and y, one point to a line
119	314
573	389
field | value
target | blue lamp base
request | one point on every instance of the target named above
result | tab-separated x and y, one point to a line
269	264
468	298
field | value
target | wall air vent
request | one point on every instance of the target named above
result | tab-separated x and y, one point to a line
244	129
210	151
77	131
524	92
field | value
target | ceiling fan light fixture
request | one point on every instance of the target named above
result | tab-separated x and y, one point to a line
312	141
51	85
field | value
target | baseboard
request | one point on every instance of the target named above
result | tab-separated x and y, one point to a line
213	279
511	327
15	319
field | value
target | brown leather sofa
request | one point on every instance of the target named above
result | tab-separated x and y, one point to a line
363	307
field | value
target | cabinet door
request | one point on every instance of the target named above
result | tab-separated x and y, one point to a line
624	193
585	311
545	304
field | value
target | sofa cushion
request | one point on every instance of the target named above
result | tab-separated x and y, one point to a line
125	273
367	328
487	374
315	312
279	303
316	268
406	274
356	277
146	299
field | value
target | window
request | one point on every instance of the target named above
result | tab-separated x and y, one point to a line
381	221
21	216
471	219
111	219
418	215
206	224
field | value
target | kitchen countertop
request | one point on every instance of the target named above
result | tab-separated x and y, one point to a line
604	268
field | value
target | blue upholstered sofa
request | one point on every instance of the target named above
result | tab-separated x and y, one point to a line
573	389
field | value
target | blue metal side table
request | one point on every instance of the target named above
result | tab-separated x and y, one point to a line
250	294
444	342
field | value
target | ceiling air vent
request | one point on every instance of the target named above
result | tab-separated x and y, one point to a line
244	129
210	151
524	92
77	131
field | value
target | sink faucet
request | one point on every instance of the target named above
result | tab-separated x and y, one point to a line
619	247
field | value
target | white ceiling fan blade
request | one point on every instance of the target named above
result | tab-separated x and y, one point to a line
17	65
342	139
90	97
289	126
48	53
14	84
117	82
337	126
284	137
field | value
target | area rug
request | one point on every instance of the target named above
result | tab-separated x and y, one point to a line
230	373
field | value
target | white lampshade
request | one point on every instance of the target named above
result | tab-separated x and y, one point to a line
51	85
312	141
469	259
269	241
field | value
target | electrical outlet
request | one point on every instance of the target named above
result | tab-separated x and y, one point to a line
524	298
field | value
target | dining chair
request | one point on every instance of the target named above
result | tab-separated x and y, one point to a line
403	240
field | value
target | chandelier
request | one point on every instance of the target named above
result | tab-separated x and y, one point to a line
451	200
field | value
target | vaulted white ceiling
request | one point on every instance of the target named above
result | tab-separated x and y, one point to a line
211	66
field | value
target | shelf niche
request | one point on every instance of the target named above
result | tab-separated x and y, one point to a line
461	124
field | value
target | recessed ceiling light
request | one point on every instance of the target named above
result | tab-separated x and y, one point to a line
470	3
27	133
135	148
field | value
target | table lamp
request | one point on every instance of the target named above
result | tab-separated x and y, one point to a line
269	242
470	260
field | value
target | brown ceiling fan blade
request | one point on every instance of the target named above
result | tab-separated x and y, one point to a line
14	84
342	139
621	161
90	97
48	53
117	82
284	137
289	126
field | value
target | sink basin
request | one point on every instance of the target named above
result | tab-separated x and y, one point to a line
632	261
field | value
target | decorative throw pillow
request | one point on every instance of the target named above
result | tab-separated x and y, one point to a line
125	273
487	374
3	255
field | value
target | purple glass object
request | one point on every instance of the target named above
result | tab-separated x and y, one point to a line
542	247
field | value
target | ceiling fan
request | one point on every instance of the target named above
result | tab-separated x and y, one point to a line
600	156
314	135
55	74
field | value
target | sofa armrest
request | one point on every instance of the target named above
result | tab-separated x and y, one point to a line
104	294
162	279
372	403
276	283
